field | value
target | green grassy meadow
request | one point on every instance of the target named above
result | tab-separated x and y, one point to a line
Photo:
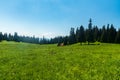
23	61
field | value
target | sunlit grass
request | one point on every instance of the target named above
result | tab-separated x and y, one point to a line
23	61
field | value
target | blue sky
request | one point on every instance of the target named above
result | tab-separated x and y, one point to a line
51	18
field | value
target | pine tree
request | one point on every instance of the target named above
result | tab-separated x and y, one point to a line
1	36
72	38
82	35
16	37
65	40
117	39
104	34
10	37
5	36
77	35
108	33
90	32
112	34
95	33
60	40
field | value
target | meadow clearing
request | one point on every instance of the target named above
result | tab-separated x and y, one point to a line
24	61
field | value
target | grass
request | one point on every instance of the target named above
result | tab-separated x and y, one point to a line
23	61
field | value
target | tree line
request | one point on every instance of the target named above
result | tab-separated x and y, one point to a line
17	38
106	34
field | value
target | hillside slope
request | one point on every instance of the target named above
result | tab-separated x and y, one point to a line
22	61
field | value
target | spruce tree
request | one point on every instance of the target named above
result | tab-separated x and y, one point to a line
90	32
16	37
72	38
77	35
108	33
10	37
82	35
1	36
65	40
117	39
104	34
5	37
112	34
95	33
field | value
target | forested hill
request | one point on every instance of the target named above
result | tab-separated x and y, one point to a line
106	34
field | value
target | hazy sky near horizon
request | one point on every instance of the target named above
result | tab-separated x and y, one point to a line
51	18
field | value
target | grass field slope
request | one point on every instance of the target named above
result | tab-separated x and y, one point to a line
23	61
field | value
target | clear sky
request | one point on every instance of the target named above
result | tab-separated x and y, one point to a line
51	18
